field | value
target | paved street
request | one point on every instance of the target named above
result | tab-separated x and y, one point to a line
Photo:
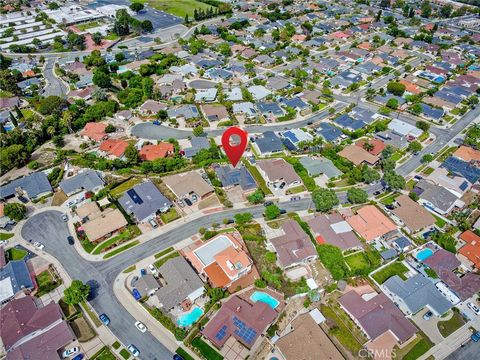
54	85
469	351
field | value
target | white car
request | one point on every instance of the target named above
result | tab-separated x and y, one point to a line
69	352
133	350
3	242
474	308
38	245
152	269
65	217
140	326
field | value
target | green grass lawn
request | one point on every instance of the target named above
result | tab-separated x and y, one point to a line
389	199
418	350
46	283
206	350
397	268
120	189
162	261
91	314
449	326
16	254
5	236
357	261
89	25
295	190
185	355
131	232
258	178
439	221
163	252
178	7
120	249
169	216
124	353
104	354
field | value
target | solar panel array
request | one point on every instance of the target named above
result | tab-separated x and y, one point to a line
221	333
243	331
134	196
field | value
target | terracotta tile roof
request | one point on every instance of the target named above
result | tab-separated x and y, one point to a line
114	147
411	87
471	250
95	131
358	155
152	152
378	146
216	276
467	153
370	223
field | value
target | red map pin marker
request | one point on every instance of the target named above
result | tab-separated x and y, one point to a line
234	152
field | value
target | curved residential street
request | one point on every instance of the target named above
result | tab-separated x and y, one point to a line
53	86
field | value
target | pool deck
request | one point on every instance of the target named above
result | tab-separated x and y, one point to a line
278	296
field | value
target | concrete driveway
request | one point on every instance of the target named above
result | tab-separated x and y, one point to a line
429	327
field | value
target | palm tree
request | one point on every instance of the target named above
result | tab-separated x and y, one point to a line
67	118
368	147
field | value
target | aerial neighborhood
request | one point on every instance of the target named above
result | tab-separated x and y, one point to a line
348	229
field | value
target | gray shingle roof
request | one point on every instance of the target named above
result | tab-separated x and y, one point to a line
19	276
320	166
269	142
229	176
418	292
180	280
144	200
87	180
34	185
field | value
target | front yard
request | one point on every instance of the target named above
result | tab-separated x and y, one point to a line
396	268
129	233
47	282
451	325
206	350
16	254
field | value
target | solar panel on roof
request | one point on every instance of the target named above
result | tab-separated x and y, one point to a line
134	196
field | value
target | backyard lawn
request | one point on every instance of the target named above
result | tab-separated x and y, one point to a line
389	199
397	268
178	7
206	350
439	221
357	261
420	348
257	177
120	189
449	326
16	254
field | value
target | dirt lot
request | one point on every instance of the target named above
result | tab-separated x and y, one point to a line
82	329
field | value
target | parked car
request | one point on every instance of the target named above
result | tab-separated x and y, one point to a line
229	221
65	217
23	199
283	211
143	272
136	294
3	242
282	185
418	177
79	357
140	326
376	193
267	203
152	269
70	240
295	198
309	122
153	223
38	245
188	202
156	122
427	315
475	336
104	319
194	198
474	308
390	207
133	350
70	352
177	357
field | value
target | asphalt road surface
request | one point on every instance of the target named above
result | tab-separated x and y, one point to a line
54	85
469	351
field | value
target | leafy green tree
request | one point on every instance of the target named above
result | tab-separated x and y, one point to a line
272	212
52	105
417	109
427	158
15	211
413	195
198	131
392	103
396	88
136	6
357	196
147	26
110	129
132	155
324	199
394	181
243	218
414	147
76	293
446	241
12	156
369	175
446	10
58	141
426	9
101	79
256	197
423	125
332	258
97	38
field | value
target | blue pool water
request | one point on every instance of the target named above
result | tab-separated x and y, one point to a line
424	254
264	297
439	79
190	318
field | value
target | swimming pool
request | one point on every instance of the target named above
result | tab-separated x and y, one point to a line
190	318
264	297
424	254
439	79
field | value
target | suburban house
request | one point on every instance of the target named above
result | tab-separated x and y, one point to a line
151	107
14	278
230	177
35	186
436	198
113	148
278	171
197	144
146	285
240	319
99	225
377	315
306	339
85	180
180	284
333	229
320	166
469	254
416	293
144	201
185	184
32	332
268	144
358	155
374	146
94	131
413	215
221	260
294	247
370	223
152	152
215	112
